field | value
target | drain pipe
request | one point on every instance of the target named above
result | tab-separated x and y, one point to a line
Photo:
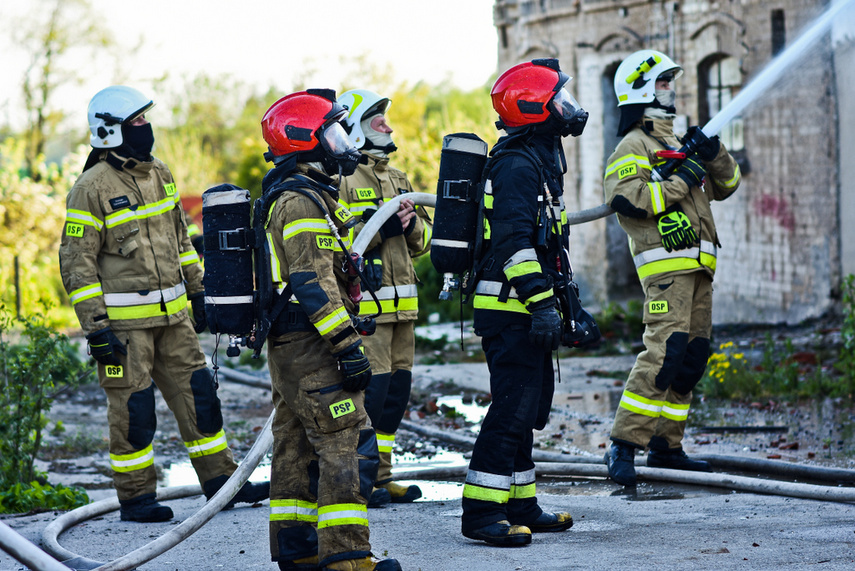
174	536
25	552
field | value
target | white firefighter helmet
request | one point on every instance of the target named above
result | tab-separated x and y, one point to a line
361	104
635	79
109	109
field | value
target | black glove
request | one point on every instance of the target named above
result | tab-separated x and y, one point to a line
692	171
706	147
103	346
197	305
392	227
355	369
676	230
545	332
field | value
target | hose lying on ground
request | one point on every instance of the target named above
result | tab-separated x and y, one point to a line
175	535
27	553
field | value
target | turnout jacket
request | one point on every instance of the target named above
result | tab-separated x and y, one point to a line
525	226
638	200
388	261
305	253
125	257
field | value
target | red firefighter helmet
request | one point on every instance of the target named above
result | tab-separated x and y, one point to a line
293	123
529	93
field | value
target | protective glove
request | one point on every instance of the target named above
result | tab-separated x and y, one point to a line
545	332
706	147
103	346
197	306
692	171
676	230
355	369
392	227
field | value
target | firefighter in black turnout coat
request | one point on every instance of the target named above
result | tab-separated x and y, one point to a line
516	307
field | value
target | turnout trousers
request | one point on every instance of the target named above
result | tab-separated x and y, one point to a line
390	351
171	357
655	403
324	456
500	483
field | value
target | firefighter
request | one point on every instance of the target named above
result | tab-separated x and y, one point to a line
515	303
390	274
673	240
129	268
323	440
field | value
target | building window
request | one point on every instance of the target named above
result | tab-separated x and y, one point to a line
779	32
721	80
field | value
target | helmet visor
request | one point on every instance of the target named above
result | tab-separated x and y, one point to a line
564	105
335	140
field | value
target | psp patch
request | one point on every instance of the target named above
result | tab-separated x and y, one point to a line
343	214
342	408
325	242
658	307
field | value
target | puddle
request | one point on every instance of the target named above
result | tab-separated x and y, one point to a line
182	474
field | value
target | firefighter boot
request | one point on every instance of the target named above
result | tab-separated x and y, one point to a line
675	460
402	494
249	493
501	534
369	563
551	521
620	458
144	509
380	498
309	563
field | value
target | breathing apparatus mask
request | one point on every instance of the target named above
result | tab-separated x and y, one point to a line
340	156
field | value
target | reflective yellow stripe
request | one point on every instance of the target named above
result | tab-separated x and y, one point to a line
146	311
657	201
83	217
293	510
359	207
368	306
617	164
332	321
474	492
188	258
640	405
342	514
130	462
385	442
733	181
523	269
143	211
667	266
675	412
522	492
86	292
490	302
539	296
318	225
275	270
207	446
193	230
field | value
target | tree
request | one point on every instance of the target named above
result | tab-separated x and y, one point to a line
51	34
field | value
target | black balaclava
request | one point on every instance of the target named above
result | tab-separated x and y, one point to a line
138	141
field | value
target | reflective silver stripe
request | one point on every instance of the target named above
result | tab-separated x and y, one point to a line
130	299
488	186
450	244
488	480
228	299
486	287
388	292
659	254
225	198
524	478
526	255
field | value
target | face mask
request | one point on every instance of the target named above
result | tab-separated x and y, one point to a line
376	141
667	98
139	139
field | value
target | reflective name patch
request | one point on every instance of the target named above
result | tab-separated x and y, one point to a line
342	408
113	371
343	214
658	307
75	230
326	242
365	193
626	171
169	188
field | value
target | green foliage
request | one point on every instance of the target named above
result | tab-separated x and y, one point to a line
31	373
24	498
32	215
846	362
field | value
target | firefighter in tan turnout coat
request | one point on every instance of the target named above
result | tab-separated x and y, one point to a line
129	268
389	269
324	449
673	242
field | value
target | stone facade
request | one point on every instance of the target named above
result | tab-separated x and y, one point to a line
785	235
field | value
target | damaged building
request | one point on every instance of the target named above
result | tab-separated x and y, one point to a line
787	243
